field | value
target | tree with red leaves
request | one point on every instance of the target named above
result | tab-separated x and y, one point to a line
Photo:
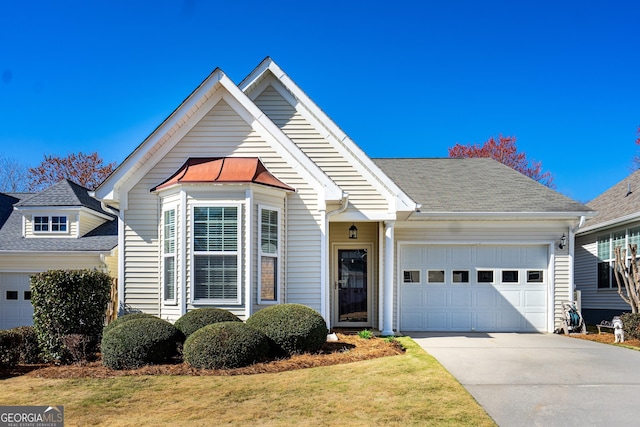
504	150
87	170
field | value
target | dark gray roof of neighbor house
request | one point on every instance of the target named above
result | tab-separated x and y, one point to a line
65	193
617	203
474	185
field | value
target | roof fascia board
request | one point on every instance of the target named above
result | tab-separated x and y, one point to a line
344	144
109	188
623	220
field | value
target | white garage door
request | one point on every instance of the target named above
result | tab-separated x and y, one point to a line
473	288
15	300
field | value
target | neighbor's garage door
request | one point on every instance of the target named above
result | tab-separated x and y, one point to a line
15	300
473	288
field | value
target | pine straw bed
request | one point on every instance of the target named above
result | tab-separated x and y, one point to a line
349	348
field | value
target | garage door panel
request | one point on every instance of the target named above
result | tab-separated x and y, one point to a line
461	298
436	297
16	310
476	306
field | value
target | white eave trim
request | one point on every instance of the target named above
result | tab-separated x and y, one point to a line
623	220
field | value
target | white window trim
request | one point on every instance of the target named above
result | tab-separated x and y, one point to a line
164	256
49	224
276	255
237	253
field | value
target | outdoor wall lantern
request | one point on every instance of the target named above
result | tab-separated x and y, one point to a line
563	242
353	232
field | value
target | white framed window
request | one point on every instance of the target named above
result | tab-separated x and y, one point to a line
435	276
411	276
606	243
216	277
169	256
460	276
535	276
50	224
485	276
510	276
269	255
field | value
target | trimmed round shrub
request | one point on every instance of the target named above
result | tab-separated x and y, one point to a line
139	342
125	318
196	319
225	345
293	328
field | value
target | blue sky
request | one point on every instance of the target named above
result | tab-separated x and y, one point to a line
402	78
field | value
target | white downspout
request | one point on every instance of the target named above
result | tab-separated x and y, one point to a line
572	241
326	257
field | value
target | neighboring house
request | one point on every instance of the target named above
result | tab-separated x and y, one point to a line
617	223
61	227
249	195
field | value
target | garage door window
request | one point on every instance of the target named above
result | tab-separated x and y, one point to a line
435	276
534	276
411	276
485	276
12	295
510	276
460	276
27	295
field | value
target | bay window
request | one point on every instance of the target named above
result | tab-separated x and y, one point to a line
216	260
268	252
169	256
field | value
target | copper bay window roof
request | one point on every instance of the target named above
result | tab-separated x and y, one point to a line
223	170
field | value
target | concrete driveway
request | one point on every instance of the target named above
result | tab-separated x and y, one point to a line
542	379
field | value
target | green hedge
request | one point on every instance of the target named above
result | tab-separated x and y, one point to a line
139	342
19	346
293	328
68	302
9	348
225	345
196	319
125	318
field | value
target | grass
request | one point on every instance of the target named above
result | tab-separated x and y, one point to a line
411	389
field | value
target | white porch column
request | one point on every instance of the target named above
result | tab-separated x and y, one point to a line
389	262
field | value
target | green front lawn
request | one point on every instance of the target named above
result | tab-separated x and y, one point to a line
411	389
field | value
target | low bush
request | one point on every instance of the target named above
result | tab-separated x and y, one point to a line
125	318
19	346
196	319
29	348
9	348
293	328
631	325
68	302
139	342
225	345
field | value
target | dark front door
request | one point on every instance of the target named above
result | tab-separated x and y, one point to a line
352	287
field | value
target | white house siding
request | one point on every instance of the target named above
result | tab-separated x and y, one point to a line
490	232
586	278
221	133
362	195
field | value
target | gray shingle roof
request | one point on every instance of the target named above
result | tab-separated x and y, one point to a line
65	193
617	202
477	185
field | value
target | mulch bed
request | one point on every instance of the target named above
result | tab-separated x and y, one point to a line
606	338
349	348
